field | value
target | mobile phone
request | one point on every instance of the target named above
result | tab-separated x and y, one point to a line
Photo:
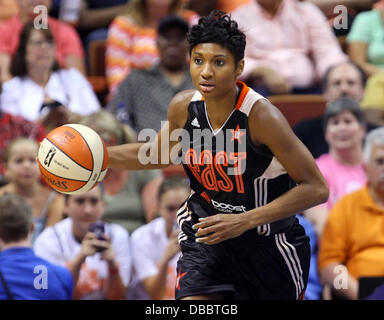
98	228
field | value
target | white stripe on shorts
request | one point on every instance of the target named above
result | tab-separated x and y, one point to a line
288	251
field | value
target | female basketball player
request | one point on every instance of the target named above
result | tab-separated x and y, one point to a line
239	235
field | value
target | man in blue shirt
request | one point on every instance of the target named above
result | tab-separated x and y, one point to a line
23	275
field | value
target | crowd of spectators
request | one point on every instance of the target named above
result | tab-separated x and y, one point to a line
294	47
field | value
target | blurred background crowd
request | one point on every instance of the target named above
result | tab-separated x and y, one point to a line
114	65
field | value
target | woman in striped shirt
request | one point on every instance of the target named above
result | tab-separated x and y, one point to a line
132	37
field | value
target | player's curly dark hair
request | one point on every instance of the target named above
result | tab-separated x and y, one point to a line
218	27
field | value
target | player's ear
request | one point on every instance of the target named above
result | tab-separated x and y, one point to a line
240	68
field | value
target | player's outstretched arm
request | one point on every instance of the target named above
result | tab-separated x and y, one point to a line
156	153
269	127
125	156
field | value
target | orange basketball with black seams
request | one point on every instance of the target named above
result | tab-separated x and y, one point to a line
73	159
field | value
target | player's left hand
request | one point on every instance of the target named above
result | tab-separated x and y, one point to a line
220	227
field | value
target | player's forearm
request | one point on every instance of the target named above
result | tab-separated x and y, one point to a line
133	156
300	198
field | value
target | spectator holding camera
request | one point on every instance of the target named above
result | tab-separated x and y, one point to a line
100	260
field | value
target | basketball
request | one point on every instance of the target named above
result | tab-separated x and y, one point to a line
73	159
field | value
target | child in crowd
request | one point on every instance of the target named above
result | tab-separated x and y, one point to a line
22	172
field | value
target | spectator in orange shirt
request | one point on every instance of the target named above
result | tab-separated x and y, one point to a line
352	244
69	50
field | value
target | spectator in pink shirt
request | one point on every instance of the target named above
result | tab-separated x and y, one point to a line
69	50
345	127
289	45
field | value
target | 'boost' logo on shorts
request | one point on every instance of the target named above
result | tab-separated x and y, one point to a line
226	207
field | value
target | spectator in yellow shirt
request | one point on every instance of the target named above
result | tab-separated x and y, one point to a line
373	101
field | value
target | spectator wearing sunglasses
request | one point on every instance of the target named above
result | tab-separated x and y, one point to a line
98	258
155	246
